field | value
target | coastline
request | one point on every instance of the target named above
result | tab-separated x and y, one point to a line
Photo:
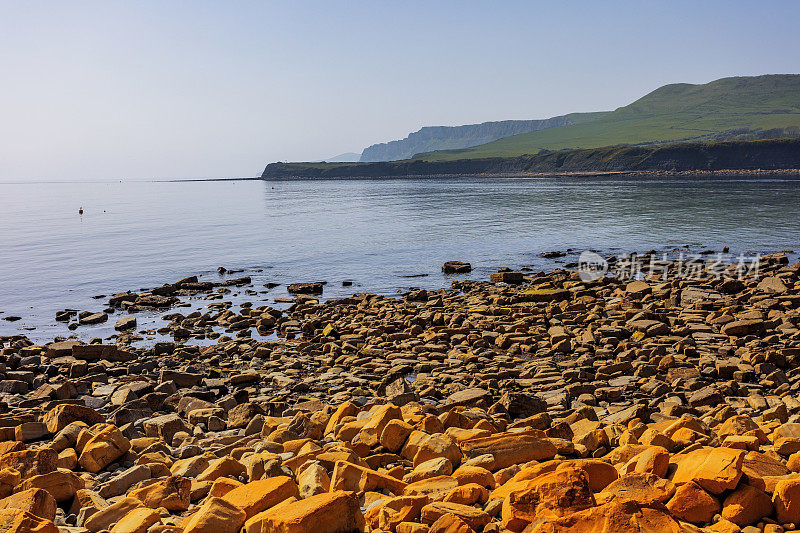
751	173
452	395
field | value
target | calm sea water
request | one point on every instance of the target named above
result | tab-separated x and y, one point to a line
374	232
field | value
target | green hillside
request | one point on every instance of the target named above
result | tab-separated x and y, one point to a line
729	108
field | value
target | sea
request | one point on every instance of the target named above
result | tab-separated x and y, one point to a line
385	236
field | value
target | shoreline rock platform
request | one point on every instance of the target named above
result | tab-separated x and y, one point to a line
533	402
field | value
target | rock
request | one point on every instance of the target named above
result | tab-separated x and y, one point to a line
241	415
62	485
28	431
714	469
617	516
507	277
391	512
38	502
510	448
18	521
165	427
65	414
746	505
350	477
93	318
644	488
30	462
305	288
456	267
474	518
547	497
638	289
521	405
216	515
171	493
313	480
474	397
394	434
104	448
786	499
258	496
332	512
137	521
112	514
740	328
692	504
125	323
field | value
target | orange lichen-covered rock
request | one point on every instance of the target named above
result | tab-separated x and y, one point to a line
345	409
394	435
215	516
371	431
137	521
617	516
472	516
38	502
9	478
550	495
654	460
746	505
172	493
30	462
436	447
65	414
714	469
103	518
19	521
468	494
103	448
466	474
257	496
332	512
599	473
350	477
641	487
62	485
511	448
223	467
692	504
449	523
436	488
222	486
388	514
786	499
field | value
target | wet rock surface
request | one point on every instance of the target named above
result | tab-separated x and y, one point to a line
531	402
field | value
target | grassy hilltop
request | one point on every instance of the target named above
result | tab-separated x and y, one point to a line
730	108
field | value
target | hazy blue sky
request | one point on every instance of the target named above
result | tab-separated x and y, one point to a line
134	89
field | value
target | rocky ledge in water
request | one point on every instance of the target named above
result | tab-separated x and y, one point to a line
550	404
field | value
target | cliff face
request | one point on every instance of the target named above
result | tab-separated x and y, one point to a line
728	155
432	138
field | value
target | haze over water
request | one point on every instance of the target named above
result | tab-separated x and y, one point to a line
134	235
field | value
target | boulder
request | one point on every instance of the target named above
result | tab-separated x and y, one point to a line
258	496
332	512
104	448
216	515
18	521
65	414
617	516
172	493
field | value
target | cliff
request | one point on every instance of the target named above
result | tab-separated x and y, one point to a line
768	154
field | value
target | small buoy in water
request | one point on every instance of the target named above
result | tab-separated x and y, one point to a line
80	211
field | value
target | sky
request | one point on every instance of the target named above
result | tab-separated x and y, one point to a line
141	89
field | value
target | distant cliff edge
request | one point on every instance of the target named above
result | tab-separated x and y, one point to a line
431	138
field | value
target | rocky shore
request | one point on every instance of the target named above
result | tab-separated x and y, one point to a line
526	403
